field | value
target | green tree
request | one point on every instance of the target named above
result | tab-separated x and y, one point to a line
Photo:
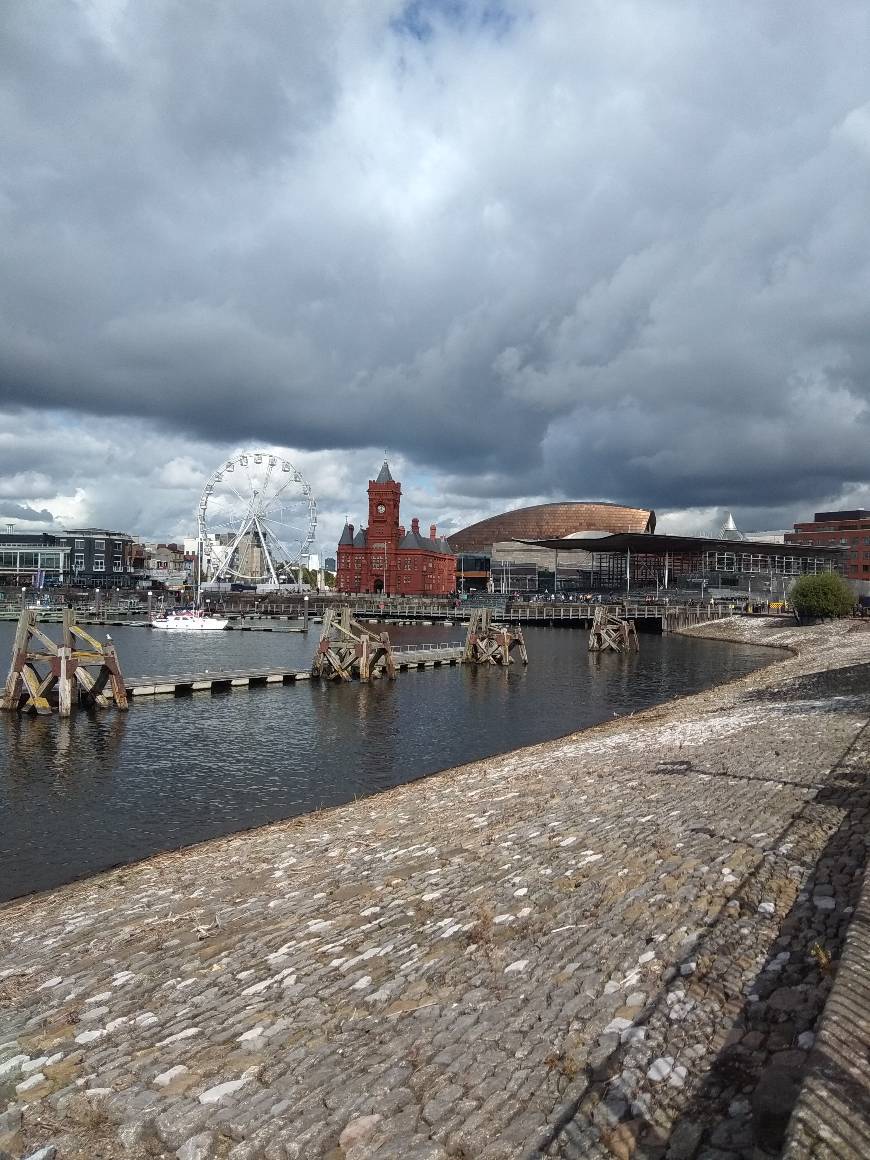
826	594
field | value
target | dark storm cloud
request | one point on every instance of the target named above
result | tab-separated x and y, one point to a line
610	250
17	511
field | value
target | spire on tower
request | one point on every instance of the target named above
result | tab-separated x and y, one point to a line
384	474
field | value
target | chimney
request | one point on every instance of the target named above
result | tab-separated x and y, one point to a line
432	531
401	531
350	529
415	526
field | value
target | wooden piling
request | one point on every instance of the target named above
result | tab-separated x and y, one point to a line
612	632
347	649
42	673
492	644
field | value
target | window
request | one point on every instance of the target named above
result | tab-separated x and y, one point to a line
118	566
79	561
99	545
80	544
99	563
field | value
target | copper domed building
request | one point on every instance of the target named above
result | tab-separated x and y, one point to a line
492	553
547	521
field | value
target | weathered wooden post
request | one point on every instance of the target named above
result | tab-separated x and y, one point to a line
65	667
14	680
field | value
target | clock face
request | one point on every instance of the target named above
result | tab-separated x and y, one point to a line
381	509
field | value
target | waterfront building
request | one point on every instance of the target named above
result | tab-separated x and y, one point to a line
90	556
848	530
385	558
498	553
697	565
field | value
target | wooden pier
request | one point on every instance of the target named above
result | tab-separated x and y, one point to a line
406	659
180	685
654	616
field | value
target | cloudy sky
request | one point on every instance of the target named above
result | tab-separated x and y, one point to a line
536	249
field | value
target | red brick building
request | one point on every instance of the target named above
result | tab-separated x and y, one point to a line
384	558
849	530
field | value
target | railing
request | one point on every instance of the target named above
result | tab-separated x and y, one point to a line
428	647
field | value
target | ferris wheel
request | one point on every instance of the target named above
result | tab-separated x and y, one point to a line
257	519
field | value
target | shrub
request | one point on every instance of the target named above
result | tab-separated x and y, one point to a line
826	594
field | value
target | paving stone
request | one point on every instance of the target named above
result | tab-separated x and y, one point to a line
684	1140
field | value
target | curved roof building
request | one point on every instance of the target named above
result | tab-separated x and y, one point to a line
551	521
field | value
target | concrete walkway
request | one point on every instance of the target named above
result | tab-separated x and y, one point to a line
614	944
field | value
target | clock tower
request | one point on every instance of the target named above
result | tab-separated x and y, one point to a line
384	498
384	559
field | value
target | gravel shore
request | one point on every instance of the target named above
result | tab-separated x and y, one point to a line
618	943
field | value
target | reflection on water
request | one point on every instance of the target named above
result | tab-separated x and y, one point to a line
103	788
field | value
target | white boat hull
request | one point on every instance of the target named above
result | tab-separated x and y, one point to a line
190	624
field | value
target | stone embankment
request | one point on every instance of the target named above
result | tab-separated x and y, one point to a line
618	943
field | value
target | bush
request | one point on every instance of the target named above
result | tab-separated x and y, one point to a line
825	595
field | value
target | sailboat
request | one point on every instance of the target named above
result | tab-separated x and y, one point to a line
189	620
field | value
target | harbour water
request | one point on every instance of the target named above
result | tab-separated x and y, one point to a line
106	788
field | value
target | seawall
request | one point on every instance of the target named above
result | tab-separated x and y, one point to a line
618	943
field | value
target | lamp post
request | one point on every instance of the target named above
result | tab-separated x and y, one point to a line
96	602
23	595
305	613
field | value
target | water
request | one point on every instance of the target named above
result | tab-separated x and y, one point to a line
106	788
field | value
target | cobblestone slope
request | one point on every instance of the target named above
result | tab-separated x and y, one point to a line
614	944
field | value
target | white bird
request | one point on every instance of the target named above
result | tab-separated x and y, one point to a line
108	637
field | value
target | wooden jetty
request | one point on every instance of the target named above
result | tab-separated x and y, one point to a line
180	685
656	616
612	632
44	674
406	659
